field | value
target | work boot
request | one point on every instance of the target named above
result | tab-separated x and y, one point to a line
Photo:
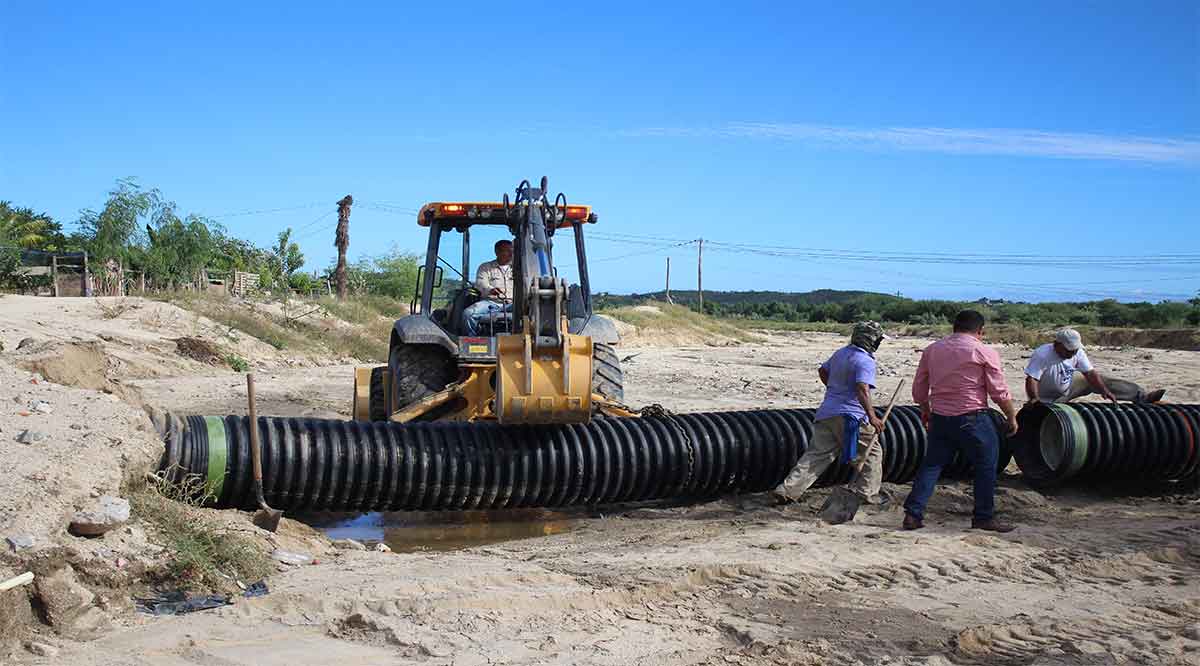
992	525
1155	396
911	522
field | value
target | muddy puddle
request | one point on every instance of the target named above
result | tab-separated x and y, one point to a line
419	531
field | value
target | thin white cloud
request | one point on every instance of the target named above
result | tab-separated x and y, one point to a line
957	141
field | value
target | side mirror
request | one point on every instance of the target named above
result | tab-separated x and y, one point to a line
437	277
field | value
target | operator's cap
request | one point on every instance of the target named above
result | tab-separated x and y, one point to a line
870	328
867	335
1069	338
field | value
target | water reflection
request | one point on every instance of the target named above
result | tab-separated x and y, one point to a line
419	531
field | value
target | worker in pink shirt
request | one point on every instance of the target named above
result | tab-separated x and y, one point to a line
955	378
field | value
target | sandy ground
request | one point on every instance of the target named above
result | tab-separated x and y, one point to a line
1088	578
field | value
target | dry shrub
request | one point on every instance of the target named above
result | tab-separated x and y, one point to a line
198	349
201	553
115	308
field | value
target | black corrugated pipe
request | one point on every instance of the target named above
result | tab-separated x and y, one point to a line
1103	442
311	464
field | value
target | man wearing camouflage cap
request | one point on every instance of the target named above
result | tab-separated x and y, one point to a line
845	424
1060	371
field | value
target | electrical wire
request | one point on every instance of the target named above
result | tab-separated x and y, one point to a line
265	211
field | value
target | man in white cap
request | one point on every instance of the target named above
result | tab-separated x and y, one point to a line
1050	375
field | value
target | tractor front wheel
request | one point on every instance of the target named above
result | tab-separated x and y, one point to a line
418	371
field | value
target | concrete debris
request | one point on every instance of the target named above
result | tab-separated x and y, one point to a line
26	342
348	544
69	607
382	548
290	558
31	436
109	512
41	407
42	649
20	542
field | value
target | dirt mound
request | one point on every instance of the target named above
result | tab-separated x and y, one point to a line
198	349
80	364
83	365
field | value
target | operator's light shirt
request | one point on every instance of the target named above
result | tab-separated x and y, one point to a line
957	374
847	368
1053	372
492	275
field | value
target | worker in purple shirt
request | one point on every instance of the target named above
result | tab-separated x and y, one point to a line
845	424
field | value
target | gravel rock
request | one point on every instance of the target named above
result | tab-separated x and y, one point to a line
26	342
348	544
109	512
30	436
20	542
41	407
41	649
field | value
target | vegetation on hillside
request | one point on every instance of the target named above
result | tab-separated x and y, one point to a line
677	321
145	232
828	306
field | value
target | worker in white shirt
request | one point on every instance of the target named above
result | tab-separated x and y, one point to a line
494	280
1051	375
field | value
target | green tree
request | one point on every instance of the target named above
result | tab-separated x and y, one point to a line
116	230
286	257
179	250
302	282
28	230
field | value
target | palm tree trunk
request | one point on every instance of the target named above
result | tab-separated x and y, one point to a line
342	242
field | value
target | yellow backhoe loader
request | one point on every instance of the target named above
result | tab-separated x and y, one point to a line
536	355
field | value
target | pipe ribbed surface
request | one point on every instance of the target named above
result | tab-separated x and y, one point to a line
1104	442
311	464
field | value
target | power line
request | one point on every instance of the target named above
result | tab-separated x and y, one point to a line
1144	262
264	211
654	250
320	217
1105	261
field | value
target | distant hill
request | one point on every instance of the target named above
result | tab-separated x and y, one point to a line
817	297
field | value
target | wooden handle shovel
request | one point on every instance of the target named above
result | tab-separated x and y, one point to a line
842	504
266	517
862	460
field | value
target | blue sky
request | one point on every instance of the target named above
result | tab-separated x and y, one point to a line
1062	130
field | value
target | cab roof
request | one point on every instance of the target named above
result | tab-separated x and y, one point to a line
489	212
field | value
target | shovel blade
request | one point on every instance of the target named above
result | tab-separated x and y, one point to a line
841	507
267	519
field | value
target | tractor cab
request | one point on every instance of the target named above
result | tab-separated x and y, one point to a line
462	237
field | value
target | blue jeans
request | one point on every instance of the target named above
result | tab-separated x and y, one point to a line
481	311
973	434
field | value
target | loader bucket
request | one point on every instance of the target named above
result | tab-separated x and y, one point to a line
543	386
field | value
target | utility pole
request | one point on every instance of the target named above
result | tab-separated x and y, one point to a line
700	273
669	280
342	242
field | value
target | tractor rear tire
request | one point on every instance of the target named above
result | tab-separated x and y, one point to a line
607	378
377	398
418	371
